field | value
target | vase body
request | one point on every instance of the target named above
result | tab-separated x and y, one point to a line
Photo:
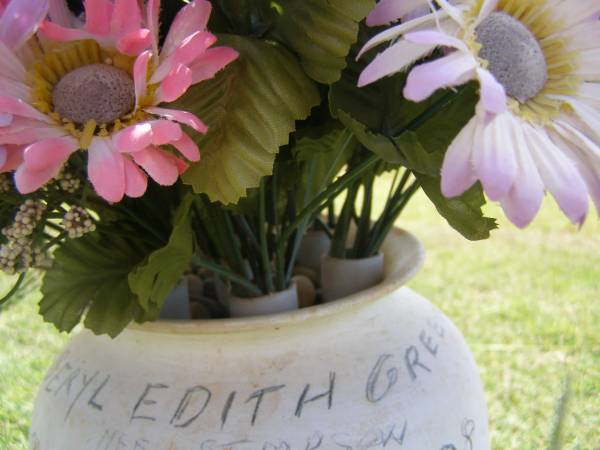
380	369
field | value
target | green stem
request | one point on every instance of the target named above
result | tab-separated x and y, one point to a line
340	234
227	274
262	219
13	290
317	203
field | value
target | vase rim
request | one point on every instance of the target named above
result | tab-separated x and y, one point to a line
404	256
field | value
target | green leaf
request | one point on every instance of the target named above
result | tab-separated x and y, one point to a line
323	157
377	143
463	213
251	108
89	275
416	158
153	280
321	32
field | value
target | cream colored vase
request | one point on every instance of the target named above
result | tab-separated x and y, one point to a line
382	369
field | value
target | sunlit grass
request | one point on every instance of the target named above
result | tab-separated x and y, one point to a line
527	301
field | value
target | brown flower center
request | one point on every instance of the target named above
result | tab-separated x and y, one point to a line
98	92
514	55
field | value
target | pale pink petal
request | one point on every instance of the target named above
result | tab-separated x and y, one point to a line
136	181
60	14
394	59
106	170
183	117
165	132
3	157
133	138
158	165
493	95
135	42
98	14
394	32
15	89
59	33
28	181
18	107
140	75
181	165
559	174
457	171
20	21
452	70
525	197
5	119
26	136
49	153
189	50
495	163
212	61
152	18
14	158
174	85
437	38
191	18
387	11
126	17
11	66
187	147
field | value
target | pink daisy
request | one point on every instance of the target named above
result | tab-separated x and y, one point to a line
97	86
537	123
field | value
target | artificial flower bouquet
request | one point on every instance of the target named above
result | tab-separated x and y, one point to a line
142	143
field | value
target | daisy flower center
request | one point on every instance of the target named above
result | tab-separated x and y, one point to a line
514	55
98	92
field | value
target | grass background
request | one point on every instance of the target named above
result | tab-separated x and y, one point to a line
527	301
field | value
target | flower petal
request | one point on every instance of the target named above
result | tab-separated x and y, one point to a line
49	153
387	11
191	48
457	171
20	21
11	66
493	95
136	181
183	117
5	119
187	147
14	158
60	14
437	38
165	131
59	33
158	165
191	18
28	181
135	42
18	107
140	74
98	14
212	61
396	58
174	85
525	197
106	170
452	70
126	17
133	138
495	163
559	174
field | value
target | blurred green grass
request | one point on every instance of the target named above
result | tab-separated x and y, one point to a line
527	301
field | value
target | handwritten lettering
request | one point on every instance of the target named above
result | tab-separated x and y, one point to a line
144	401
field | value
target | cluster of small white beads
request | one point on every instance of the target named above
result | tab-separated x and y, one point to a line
26	220
16	256
77	222
67	182
5	183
